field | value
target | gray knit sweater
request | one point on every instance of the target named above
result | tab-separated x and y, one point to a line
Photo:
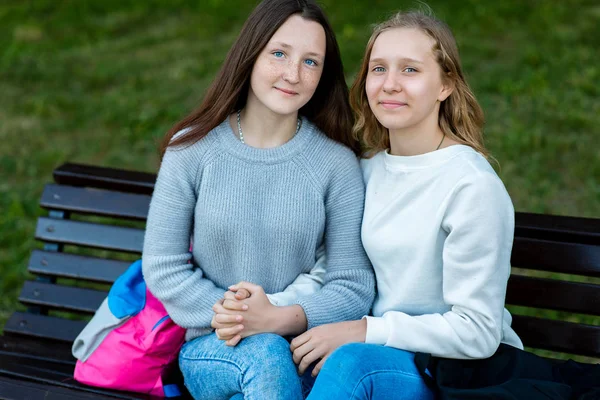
257	215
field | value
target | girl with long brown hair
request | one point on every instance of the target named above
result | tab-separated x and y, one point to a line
262	176
438	223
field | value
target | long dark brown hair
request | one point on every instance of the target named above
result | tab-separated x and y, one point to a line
329	108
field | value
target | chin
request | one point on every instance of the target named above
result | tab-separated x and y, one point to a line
284	109
392	123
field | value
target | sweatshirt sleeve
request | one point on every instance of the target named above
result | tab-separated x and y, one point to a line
182	288
304	284
479	222
349	288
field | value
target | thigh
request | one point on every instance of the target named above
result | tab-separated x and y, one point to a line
365	371
258	364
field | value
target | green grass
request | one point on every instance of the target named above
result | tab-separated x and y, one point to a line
100	82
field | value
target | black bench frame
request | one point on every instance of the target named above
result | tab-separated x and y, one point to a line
35	357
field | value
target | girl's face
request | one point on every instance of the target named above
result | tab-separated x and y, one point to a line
287	71
404	83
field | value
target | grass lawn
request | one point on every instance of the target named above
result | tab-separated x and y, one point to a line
100	81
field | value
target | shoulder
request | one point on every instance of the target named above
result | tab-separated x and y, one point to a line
371	165
326	155
329	149
478	184
194	151
329	163
188	160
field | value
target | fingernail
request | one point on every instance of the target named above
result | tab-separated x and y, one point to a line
245	307
232	287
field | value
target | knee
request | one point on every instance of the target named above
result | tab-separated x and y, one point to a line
349	356
267	349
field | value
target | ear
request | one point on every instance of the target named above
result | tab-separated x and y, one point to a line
447	88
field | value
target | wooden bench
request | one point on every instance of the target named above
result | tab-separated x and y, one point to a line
101	208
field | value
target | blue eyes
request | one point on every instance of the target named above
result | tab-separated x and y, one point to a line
407	69
308	61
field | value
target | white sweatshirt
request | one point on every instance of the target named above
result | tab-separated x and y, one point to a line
438	229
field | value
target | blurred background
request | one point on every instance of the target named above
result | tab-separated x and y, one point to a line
100	81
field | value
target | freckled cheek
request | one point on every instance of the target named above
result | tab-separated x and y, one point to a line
311	79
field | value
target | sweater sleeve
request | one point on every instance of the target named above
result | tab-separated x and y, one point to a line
349	288
182	288
304	284
479	221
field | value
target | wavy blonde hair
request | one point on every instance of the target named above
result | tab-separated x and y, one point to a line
460	116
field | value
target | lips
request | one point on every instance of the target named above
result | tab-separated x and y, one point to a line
392	104
286	91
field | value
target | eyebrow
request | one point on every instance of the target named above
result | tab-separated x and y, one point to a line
405	59
287	46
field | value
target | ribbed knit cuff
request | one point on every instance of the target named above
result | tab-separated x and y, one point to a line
333	304
377	330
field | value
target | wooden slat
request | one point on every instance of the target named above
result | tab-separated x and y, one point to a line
61	297
65	265
42	326
552	294
560	336
90	235
13	387
95	201
37	348
559	228
105	178
552	256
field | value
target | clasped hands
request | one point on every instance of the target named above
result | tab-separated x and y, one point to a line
246	310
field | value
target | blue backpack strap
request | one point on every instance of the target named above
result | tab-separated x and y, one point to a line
127	296
172	390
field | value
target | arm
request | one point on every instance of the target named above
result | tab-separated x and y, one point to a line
479	221
186	294
304	284
349	287
228	324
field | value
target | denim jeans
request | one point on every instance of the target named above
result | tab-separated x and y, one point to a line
367	371
259	367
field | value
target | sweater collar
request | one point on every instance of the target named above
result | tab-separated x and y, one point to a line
231	143
422	161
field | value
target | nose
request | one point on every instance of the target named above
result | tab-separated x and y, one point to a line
391	83
291	74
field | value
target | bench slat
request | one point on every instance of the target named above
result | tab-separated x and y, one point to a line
38	349
91	235
12	388
95	201
560	336
61	297
552	294
546	255
43	326
555	227
65	265
105	178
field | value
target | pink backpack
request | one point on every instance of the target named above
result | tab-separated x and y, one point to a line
131	343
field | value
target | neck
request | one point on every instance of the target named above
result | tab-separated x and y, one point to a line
264	128
419	139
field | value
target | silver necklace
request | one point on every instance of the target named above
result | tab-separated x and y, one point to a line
241	134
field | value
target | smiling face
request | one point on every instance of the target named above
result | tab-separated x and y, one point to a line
404	84
287	71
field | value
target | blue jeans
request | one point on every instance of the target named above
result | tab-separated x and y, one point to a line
259	367
367	371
